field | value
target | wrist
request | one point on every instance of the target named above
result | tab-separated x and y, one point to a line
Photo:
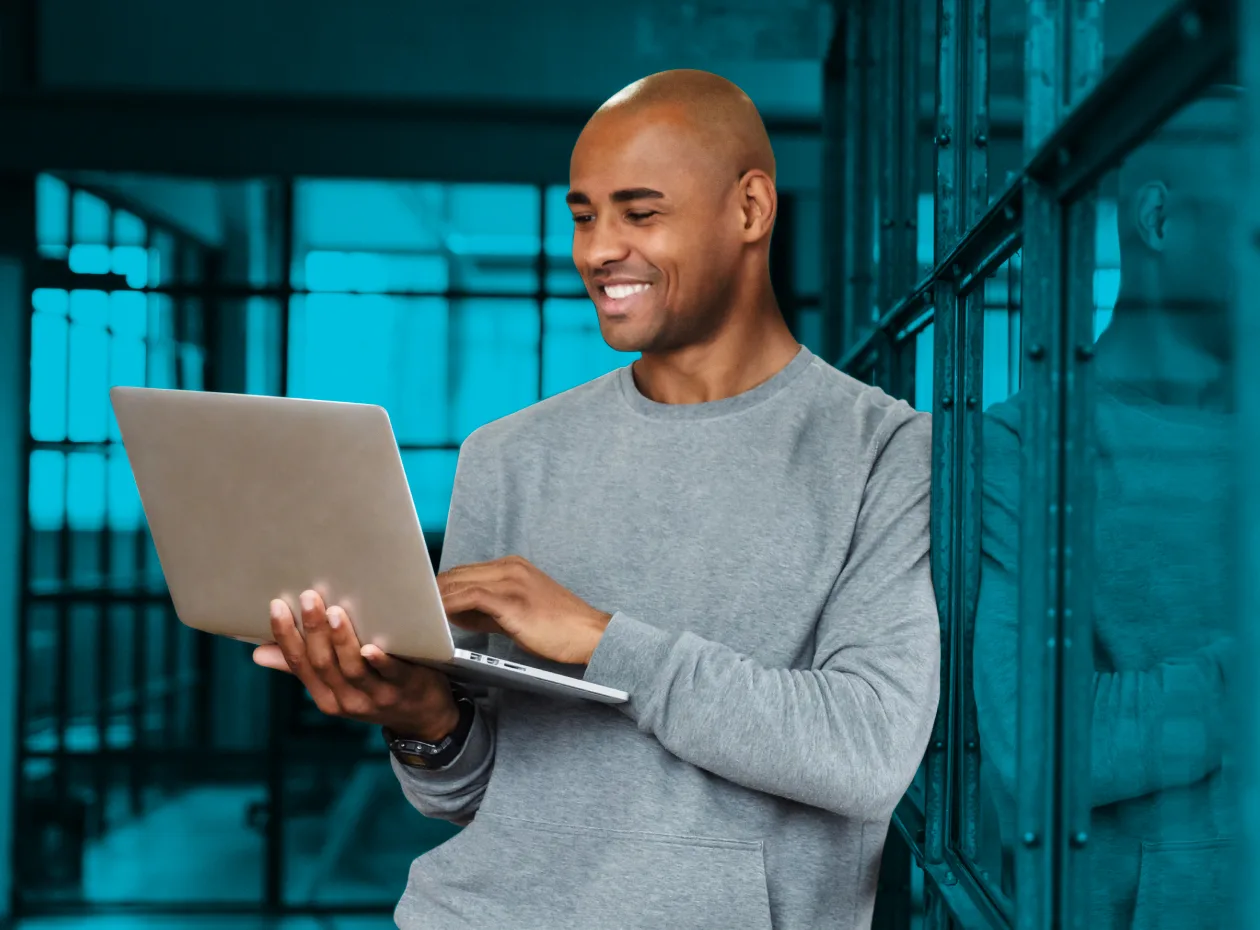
432	726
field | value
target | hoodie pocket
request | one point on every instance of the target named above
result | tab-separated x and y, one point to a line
1185	884
508	872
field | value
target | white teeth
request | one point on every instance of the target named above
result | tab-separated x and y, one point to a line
618	291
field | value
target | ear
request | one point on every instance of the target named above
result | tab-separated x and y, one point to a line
758	203
1151	214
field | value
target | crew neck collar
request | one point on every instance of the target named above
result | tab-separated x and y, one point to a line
715	408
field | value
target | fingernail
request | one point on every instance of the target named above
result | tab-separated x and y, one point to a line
276	611
308	600
334	617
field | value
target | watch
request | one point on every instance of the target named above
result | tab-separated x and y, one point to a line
419	754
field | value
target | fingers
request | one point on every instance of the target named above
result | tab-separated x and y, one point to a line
319	647
463	602
293	649
348	655
386	667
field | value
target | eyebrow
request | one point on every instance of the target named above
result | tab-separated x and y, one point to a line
621	196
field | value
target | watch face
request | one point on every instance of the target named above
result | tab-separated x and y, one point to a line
412	759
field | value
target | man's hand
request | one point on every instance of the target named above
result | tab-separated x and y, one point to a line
512	597
361	683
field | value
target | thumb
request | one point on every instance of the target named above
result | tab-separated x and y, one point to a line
270	656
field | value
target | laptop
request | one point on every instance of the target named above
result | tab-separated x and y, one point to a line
250	498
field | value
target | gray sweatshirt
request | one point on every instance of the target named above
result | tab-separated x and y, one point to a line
765	560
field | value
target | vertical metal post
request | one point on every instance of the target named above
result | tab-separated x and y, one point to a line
17	229
944	433
835	156
1074	502
859	204
540	292
1036	810
1247	388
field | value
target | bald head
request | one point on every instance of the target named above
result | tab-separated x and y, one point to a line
720	118
672	190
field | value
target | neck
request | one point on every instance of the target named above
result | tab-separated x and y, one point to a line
1154	351
751	346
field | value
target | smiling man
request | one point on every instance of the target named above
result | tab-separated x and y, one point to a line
730	530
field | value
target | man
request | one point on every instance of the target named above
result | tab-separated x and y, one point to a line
1163	810
730	530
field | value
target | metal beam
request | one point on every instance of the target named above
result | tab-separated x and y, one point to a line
1188	49
224	136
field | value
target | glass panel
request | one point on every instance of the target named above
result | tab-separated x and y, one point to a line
990	855
925	140
49	370
91	219
574	351
89	381
52	211
924	367
809	328
350	835
493	220
808	244
263	320
128	229
431	476
85	490
559	223
495	359
1002	301
1008	30
391	351
125	512
1125	23
47	490
366	216
1162	445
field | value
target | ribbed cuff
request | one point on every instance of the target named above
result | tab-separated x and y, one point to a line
628	657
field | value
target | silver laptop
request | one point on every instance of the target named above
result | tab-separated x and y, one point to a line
250	498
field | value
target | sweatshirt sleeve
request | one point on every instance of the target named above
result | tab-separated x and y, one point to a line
845	734
472	535
1151	729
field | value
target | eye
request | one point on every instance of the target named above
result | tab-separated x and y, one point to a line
639	217
580	219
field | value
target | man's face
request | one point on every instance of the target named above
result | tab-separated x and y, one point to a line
655	231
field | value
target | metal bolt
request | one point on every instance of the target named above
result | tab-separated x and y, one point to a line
1009	213
947	402
956	271
949	877
1036	351
1191	26
888	224
943	139
1084	352
981	139
1030	838
1064	158
1080	838
971	402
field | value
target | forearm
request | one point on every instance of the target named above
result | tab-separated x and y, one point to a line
1158	728
846	738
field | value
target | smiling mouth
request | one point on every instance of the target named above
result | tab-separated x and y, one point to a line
622	291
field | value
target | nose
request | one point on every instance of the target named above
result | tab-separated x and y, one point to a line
601	244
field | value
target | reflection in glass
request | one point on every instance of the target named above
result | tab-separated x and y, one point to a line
1163	806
